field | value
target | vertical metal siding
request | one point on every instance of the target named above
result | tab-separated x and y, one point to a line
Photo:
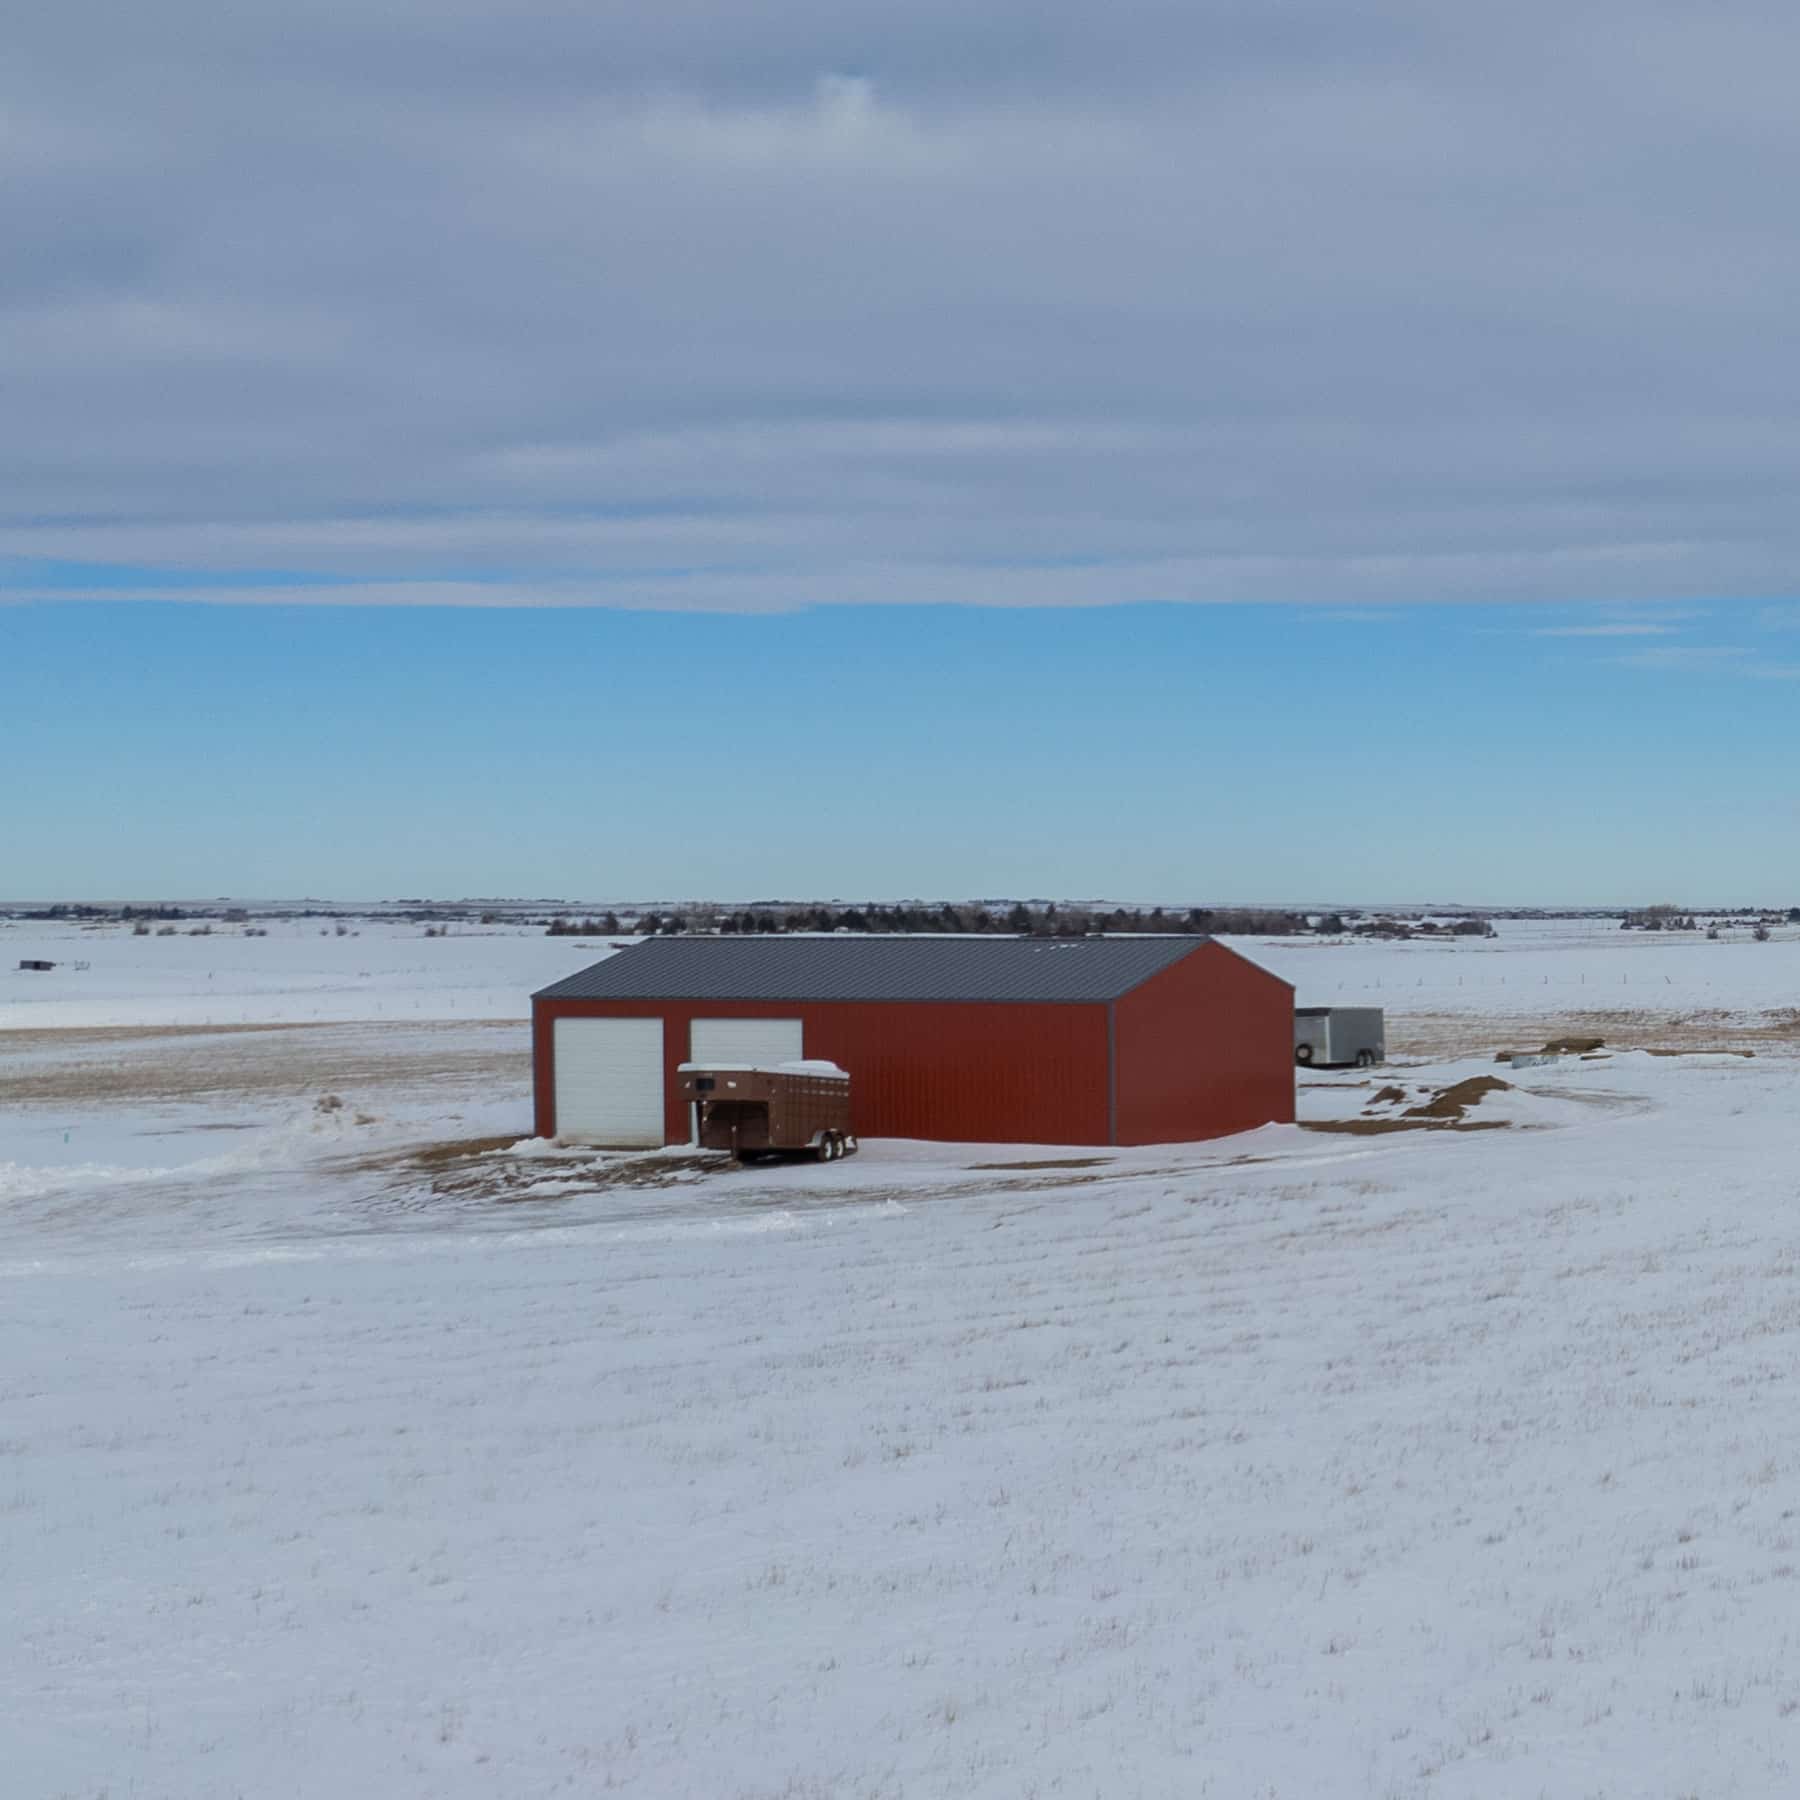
1204	1049
1112	1071
975	1072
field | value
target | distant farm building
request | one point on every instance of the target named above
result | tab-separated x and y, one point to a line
1131	1040
36	965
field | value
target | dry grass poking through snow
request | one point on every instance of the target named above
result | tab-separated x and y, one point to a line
1436	1036
228	1064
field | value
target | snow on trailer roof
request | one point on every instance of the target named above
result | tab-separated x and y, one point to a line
825	1071
876	968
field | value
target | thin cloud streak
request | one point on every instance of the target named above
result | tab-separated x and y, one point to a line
1705	657
1604	631
1710	659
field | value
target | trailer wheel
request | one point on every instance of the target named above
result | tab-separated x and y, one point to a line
1303	1053
1365	1059
823	1151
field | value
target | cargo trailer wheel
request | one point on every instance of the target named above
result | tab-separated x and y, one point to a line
824	1151
1303	1053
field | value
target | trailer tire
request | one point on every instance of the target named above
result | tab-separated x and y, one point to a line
1303	1053
1365	1059
825	1151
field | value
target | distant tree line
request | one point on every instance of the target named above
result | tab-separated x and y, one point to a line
76	910
608	926
1386	926
1025	919
1658	918
1673	918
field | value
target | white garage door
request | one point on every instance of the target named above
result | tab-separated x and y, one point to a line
759	1042
609	1081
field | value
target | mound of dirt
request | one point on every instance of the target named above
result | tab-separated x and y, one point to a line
1445	1110
1382	1127
1454	1102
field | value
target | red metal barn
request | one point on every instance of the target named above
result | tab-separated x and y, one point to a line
1128	1040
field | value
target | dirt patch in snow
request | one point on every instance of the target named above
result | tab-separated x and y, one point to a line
1383	1127
1446	1109
1452	1103
454	1150
1052	1162
473	1169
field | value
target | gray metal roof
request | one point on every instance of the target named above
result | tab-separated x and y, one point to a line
1080	970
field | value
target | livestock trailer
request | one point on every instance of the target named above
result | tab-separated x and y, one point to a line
796	1108
1339	1037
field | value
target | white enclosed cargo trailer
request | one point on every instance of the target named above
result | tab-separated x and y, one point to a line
1339	1037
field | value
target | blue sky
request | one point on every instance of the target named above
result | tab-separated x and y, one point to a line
1498	754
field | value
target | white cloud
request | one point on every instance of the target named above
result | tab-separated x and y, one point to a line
841	124
1186	302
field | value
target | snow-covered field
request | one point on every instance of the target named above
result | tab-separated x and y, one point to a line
1318	1462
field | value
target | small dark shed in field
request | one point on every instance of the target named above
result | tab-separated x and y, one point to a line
36	965
1129	1040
